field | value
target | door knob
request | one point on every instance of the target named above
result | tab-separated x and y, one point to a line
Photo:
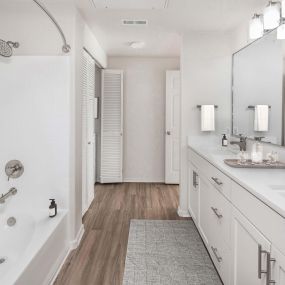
168	133
89	142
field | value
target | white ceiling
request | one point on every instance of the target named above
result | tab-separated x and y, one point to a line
162	35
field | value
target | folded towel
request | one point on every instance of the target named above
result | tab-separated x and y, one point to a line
261	115
207	118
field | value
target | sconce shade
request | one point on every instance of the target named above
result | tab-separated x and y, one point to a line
271	16
256	27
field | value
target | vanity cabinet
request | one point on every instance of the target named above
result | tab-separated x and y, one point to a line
249	252
244	237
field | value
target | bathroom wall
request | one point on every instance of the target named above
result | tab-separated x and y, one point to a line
206	79
144	115
35	129
17	23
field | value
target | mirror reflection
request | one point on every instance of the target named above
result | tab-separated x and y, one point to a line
258	87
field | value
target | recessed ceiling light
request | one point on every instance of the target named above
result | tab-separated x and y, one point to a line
137	44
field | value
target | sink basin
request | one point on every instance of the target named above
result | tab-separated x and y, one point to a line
248	164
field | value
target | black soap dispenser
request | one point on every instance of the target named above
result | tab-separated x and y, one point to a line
52	208
224	140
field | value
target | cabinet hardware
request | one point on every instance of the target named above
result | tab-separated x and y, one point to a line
215	251
217	181
268	265
268	277
215	210
195	183
260	252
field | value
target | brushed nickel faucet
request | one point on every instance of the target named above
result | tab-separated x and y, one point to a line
13	191
241	143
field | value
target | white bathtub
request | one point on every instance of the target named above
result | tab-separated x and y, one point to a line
33	248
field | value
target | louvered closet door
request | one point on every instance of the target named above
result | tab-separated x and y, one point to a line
88	136
112	126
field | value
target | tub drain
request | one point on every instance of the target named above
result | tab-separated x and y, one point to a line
2	260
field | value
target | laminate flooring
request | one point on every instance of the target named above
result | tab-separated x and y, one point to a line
100	257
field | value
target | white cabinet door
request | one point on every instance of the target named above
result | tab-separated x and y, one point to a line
277	267
204	212
111	170
249	252
172	125
193	191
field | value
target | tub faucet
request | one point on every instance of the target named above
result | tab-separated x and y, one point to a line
13	191
241	143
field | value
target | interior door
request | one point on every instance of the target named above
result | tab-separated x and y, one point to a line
172	125
111	170
249	252
88	136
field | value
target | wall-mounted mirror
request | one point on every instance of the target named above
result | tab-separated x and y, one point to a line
258	90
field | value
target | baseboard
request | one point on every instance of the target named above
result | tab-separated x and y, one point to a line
183	213
63	257
75	243
143	180
58	266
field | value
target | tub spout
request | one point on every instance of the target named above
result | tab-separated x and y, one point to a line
13	191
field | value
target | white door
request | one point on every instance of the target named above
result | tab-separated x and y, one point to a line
111	170
249	252
172	127
88	136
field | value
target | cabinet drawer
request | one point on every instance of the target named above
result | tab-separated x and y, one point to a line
220	181
201	164
266	220
220	215
220	254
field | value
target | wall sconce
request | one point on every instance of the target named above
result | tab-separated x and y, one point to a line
256	27
272	15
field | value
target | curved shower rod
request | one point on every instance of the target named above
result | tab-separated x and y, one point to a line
66	47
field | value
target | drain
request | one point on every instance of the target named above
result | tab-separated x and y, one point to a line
2	260
11	221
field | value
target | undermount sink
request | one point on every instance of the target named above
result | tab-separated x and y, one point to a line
249	164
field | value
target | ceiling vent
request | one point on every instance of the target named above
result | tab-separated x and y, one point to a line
134	22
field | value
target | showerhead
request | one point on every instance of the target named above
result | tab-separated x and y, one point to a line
6	48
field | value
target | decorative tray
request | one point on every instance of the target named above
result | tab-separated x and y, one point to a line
249	164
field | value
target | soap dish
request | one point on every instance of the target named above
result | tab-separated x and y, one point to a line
249	164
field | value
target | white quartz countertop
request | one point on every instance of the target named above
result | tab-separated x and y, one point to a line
268	185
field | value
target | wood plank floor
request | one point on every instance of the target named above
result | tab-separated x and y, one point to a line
100	258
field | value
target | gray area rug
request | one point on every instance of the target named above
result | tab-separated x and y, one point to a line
167	253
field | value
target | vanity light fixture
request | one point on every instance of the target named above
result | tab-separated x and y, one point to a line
256	27
272	15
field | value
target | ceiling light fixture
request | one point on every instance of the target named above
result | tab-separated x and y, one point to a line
256	27
137	44
272	15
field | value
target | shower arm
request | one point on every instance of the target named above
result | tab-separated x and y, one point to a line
65	48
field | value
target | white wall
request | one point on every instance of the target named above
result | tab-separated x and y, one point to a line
23	21
144	115
206	79
35	129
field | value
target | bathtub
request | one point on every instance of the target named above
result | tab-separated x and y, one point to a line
32	250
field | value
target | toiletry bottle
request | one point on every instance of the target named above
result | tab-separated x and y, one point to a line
224	140
52	208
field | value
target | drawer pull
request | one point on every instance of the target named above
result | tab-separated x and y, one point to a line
215	210
215	251
217	181
268	265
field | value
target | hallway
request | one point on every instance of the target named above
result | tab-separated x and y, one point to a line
100	258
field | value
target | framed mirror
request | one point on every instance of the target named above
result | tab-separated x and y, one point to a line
258	72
